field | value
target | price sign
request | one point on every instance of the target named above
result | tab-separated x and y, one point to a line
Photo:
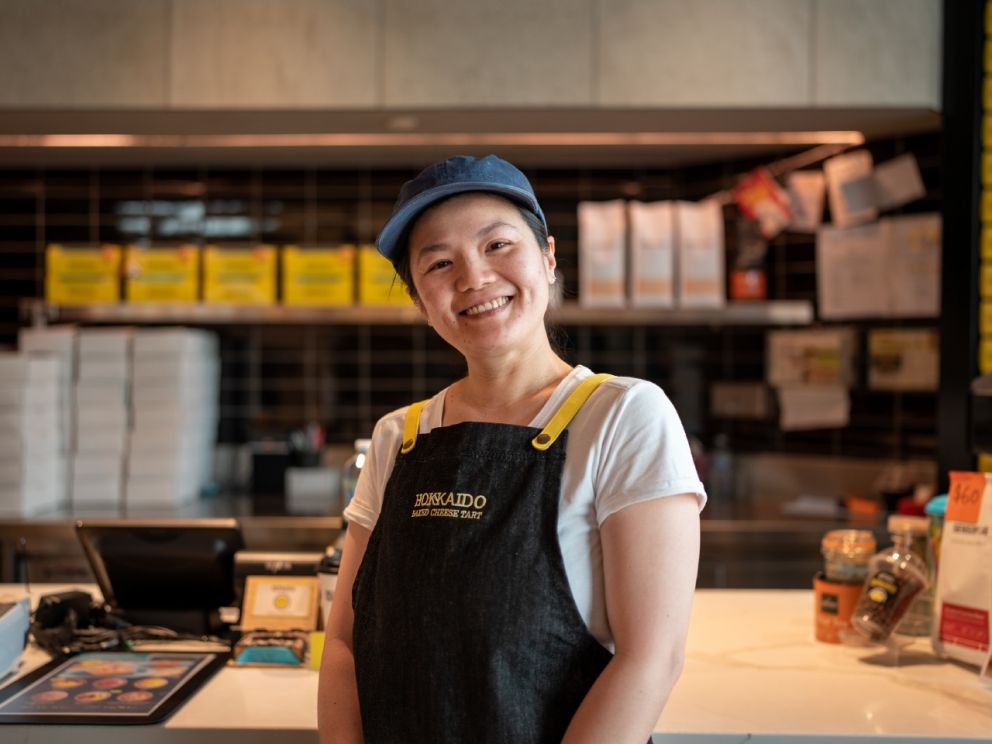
964	500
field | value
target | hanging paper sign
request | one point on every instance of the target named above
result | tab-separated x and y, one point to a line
760	198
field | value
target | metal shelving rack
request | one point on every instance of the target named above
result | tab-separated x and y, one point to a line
773	313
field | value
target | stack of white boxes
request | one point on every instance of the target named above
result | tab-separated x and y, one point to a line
176	377
58	341
32	462
102	419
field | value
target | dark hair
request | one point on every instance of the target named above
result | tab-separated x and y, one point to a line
402	264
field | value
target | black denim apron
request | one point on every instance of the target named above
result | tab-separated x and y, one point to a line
466	629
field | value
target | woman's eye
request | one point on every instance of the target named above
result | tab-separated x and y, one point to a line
497	244
438	264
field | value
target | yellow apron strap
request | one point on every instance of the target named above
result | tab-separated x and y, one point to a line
566	412
411	427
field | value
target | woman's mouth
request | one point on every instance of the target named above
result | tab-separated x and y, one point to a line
487	307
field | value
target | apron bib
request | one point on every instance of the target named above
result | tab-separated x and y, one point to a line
465	626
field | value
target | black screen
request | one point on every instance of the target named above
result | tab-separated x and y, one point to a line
163	565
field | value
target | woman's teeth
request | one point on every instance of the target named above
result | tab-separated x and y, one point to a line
487	306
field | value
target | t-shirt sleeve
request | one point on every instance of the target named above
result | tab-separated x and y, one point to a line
645	453
366	504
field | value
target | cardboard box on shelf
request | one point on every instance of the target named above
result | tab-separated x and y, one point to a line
104	492
169	274
318	276
86	274
176	340
103	343
239	275
378	283
97	465
109	369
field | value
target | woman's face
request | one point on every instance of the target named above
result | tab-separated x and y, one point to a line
481	278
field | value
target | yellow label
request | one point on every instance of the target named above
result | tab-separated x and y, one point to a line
378	283
986	206
84	275
985	356
162	274
985	317
318	276
984	462
241	276
985	283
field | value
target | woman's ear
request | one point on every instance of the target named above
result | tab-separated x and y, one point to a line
550	259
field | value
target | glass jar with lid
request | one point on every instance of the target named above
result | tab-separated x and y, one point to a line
846	554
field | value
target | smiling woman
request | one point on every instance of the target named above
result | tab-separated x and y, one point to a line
523	546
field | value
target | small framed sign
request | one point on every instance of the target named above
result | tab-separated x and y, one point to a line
280	603
107	688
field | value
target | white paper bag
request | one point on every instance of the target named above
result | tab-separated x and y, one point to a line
701	261
963	600
652	260
602	253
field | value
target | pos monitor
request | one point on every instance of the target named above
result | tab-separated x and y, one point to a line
173	573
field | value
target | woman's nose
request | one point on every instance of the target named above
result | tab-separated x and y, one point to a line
475	274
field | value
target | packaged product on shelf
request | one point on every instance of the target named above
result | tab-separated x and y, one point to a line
315	276
748	279
650	281
239	275
602	253
378	283
806	197
700	254
761	199
82	274
162	274
963	600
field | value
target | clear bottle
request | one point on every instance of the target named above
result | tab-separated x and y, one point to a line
896	576
916	621
349	482
352	469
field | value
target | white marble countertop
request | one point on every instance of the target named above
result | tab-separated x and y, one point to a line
753	673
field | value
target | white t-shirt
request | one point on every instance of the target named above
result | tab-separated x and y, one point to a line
625	445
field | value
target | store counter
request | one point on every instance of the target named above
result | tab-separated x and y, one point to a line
753	672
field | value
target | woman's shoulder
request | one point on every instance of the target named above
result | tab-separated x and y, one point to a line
622	393
389	428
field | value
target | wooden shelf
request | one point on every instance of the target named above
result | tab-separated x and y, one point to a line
798	312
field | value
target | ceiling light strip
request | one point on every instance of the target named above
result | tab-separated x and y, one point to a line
443	139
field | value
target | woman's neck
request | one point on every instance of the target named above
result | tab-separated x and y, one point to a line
510	391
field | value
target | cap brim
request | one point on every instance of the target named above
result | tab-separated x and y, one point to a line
390	242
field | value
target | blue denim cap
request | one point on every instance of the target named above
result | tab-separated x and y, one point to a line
456	175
